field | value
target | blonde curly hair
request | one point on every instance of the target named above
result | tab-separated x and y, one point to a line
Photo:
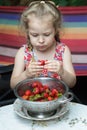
40	9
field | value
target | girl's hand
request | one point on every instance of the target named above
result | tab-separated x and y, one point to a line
54	66
34	69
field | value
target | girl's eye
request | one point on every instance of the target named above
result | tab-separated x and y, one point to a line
34	35
47	34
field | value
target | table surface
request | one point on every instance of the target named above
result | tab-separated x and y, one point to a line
75	119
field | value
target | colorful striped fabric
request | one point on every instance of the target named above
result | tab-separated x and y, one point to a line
74	34
75	31
11	37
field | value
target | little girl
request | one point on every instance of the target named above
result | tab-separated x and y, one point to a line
44	54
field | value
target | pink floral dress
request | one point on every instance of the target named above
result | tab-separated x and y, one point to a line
59	51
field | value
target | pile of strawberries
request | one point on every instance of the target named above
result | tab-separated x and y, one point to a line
40	92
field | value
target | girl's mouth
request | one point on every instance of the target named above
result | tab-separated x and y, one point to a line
41	47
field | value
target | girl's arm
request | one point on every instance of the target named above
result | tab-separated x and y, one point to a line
18	73
68	75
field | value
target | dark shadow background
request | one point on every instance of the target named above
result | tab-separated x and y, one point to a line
80	89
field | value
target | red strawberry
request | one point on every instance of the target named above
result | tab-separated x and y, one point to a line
41	89
25	97
36	84
42	62
54	91
49	98
45	87
36	91
45	95
55	75
27	92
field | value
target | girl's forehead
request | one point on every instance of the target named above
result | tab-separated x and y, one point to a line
40	24
44	18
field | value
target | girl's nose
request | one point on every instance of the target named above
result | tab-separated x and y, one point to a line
41	39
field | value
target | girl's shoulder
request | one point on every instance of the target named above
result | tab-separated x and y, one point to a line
27	54
23	50
20	51
60	47
26	49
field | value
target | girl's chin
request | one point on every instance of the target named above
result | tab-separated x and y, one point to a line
41	49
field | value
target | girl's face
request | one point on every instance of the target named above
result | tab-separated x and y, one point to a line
41	32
